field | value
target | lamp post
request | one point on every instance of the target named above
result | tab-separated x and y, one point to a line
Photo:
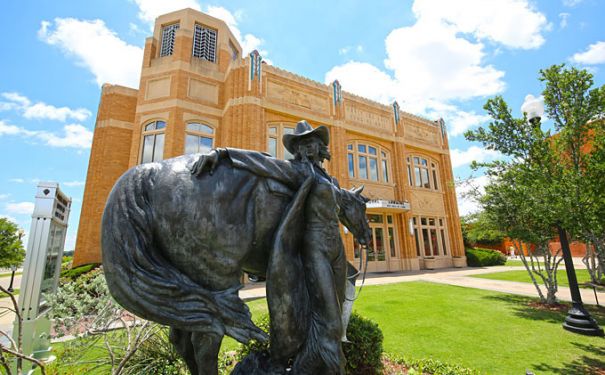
578	320
10	287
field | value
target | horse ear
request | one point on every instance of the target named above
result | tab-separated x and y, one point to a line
357	191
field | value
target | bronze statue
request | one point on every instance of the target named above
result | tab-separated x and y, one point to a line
177	234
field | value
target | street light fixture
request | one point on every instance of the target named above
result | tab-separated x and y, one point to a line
10	287
578	320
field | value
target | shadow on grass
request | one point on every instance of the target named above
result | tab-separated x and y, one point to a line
528	308
591	362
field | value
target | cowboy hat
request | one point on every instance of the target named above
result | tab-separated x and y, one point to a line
303	130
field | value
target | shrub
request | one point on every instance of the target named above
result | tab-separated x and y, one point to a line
484	257
74	273
363	352
431	366
156	356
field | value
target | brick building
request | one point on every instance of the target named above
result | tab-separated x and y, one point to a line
197	91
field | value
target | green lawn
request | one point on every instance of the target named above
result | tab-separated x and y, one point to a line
495	333
15	293
523	276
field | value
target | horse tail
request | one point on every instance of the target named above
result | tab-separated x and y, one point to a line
143	282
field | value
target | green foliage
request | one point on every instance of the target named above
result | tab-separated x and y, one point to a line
72	274
12	252
484	258
478	228
431	366
156	356
364	351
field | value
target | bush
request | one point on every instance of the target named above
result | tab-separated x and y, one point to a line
484	257
74	273
431	366
363	352
156	356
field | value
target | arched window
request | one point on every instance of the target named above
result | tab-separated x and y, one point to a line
153	142
422	172
367	162
275	147
198	138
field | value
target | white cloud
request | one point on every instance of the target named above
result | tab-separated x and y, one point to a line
467	192
249	42
74	183
17	180
7	129
441	58
533	106
41	110
473	153
97	48
20	208
594	54
513	23
149	10
4	196
571	3
74	135
345	50
564	17
364	79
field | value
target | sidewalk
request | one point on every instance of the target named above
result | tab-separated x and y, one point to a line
454	276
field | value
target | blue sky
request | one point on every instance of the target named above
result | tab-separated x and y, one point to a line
437	58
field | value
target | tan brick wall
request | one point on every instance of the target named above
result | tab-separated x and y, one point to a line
108	161
239	111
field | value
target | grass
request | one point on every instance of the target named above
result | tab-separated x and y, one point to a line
522	276
15	293
495	333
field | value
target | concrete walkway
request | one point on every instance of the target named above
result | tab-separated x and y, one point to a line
458	277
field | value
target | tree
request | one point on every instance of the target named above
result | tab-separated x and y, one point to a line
11	247
577	111
478	228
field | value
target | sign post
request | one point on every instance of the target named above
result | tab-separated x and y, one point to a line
41	269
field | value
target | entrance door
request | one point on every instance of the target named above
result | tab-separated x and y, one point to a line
384	243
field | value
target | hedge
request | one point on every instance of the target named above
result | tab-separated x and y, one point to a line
484	257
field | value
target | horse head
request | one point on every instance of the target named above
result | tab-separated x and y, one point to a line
353	214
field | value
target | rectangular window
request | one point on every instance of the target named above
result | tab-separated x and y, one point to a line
425	178
443	242
158	149
410	175
168	36
417	241
148	149
392	242
363	167
273	147
434	242
351	165
373	169
361	148
385	171
372	150
379	244
427	244
204	43
191	144
417	177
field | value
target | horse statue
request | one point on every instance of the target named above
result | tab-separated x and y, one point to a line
174	246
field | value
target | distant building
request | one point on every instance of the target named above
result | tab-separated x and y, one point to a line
197	92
